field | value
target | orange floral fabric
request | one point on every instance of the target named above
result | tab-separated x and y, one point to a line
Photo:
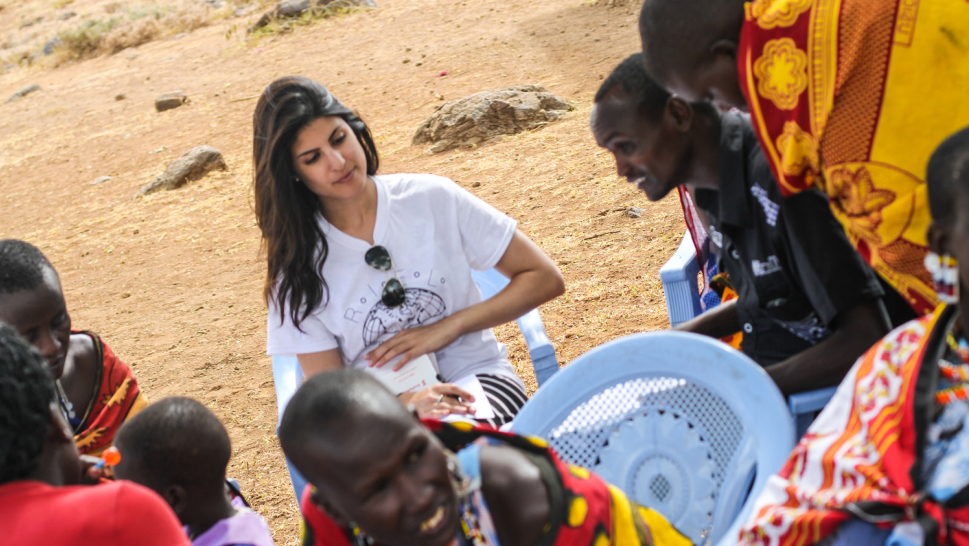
858	455
118	397
852	97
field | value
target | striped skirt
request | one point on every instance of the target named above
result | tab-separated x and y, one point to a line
506	397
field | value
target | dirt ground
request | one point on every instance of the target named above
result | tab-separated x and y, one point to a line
173	281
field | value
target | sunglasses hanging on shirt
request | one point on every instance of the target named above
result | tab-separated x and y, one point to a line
393	293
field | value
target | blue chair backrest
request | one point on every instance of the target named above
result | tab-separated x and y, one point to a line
288	375
540	348
681	422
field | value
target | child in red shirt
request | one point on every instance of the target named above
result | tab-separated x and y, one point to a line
41	471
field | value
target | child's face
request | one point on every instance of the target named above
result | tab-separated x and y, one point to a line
651	155
40	316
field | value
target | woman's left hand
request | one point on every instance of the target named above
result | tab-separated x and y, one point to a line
414	342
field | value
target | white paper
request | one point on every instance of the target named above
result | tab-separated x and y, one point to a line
416	375
482	407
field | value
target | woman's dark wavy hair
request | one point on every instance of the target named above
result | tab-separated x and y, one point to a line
286	209
26	392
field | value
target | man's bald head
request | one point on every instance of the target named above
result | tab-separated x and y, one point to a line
318	413
370	459
690	46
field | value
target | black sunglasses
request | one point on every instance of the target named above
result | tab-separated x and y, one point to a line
393	293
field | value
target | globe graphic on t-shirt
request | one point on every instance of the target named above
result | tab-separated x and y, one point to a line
418	308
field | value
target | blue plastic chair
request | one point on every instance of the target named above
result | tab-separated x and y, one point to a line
680	286
679	277
805	407
540	347
681	422
288	376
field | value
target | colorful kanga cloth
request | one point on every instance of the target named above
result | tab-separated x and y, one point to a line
116	399
585	511
864	457
852	97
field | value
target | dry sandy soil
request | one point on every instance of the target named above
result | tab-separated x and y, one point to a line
173	281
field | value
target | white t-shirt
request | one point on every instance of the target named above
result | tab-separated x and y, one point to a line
436	232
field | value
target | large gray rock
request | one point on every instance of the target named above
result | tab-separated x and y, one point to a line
193	164
23	92
484	115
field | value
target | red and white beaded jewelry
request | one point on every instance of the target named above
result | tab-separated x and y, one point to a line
948	396
956	373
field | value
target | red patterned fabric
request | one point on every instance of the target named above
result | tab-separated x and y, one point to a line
852	97
117	398
861	453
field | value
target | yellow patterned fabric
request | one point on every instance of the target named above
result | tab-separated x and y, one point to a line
852	97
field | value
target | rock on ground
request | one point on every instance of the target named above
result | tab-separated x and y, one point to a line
484	115
167	101
294	8
193	164
23	92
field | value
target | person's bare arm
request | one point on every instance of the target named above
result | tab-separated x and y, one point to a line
323	361
534	280
827	363
516	494
721	321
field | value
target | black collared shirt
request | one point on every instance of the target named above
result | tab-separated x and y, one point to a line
789	259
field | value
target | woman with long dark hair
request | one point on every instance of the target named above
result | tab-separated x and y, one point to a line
366	268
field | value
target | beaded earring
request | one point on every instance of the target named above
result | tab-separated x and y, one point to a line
945	276
359	536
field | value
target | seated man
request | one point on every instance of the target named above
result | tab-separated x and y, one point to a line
887	461
807	304
180	450
384	478
848	97
40	499
96	391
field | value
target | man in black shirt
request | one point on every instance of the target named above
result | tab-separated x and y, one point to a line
807	304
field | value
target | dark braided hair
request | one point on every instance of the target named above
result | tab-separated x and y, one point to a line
21	266
26	393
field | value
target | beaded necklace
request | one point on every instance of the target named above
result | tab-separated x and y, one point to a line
955	373
66	406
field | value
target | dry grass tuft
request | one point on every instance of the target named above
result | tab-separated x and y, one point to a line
85	40
131	26
285	25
